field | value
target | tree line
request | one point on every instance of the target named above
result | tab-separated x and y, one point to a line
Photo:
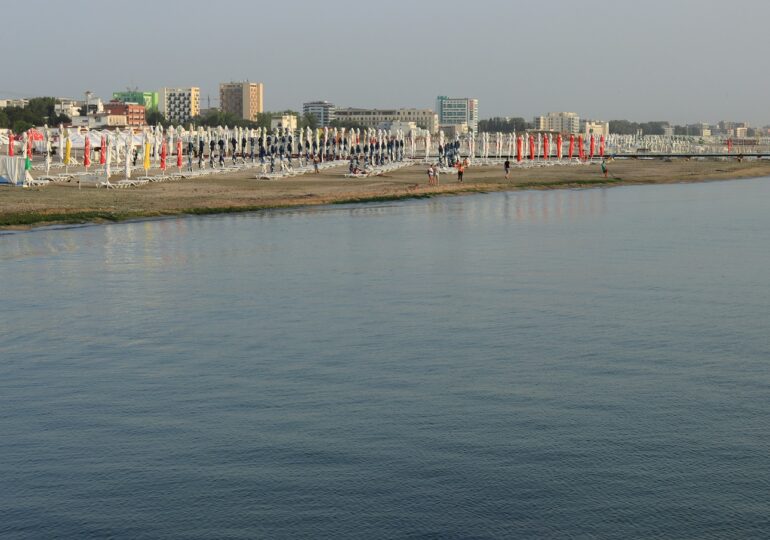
39	111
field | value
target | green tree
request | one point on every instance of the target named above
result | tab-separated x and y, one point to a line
308	120
20	126
503	125
4	123
154	117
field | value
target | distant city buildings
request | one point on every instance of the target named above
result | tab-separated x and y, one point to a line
148	99
179	104
134	113
323	111
20	103
67	106
284	121
560	122
453	111
243	99
424	118
597	128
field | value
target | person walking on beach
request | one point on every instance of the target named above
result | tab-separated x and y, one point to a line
430	175
460	170
436	174
315	163
604	167
507	166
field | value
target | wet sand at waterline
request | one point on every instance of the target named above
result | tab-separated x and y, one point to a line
241	191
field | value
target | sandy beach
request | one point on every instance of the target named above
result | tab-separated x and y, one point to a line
241	191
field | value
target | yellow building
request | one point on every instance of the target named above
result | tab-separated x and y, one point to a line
243	99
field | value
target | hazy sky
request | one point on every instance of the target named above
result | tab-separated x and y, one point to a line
678	60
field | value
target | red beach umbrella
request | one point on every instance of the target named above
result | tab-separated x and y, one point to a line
519	147
581	150
531	148
29	146
102	151
601	146
729	146
545	147
163	154
10	143
591	147
571	146
558	146
179	154
86	151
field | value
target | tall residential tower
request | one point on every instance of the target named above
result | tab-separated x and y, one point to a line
243	99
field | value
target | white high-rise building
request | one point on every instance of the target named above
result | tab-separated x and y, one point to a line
454	111
323	111
561	122
179	104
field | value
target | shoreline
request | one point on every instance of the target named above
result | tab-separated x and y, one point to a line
64	204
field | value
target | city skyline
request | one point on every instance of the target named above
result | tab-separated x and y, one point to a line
604	60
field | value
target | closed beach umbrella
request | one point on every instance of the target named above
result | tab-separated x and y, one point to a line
531	148
519	148
591	146
67	151
163	155
179	154
86	151
29	145
545	147
103	151
571	146
601	146
61	142
10	143
558	146
47	150
729	146
108	154
147	151
129	150
581	150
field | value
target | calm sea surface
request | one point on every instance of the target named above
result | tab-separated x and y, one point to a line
587	364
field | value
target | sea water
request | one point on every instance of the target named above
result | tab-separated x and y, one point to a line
588	364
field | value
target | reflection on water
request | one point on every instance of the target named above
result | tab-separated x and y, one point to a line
577	363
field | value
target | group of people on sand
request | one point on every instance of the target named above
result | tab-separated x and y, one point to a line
434	171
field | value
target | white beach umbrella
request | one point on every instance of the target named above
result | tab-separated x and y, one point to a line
61	143
129	149
108	160
47	143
